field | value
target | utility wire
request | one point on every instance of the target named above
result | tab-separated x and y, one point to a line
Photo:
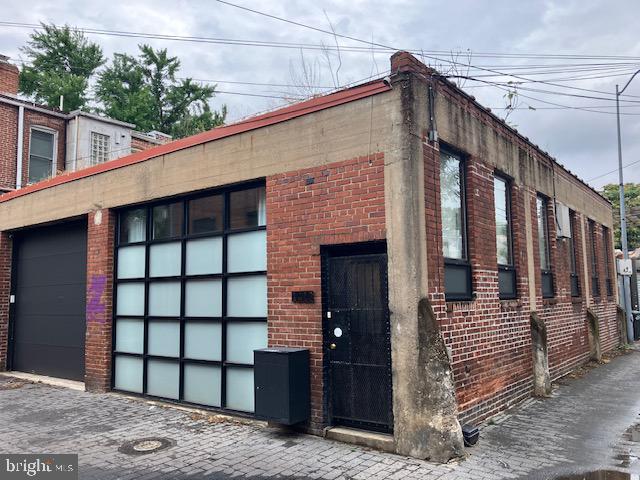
386	48
535	90
380	49
571	107
371	43
614	171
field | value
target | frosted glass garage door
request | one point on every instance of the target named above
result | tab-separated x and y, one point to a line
191	298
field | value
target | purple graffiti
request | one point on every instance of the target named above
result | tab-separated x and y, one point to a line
95	305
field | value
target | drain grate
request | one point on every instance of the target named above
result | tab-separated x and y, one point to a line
143	446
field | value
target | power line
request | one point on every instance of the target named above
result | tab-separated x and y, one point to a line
385	47
616	69
536	90
300	45
334	34
585	109
532	108
613	171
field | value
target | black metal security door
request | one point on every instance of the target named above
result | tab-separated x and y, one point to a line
49	288
357	341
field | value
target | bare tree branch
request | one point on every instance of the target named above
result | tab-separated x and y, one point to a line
335	39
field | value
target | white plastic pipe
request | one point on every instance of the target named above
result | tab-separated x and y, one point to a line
19	149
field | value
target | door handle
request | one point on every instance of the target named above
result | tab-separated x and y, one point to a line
332	346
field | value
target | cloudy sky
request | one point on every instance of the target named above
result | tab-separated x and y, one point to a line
600	36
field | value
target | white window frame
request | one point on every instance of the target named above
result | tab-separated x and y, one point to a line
107	152
54	159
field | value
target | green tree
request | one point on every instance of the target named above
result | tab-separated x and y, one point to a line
62	61
145	91
632	205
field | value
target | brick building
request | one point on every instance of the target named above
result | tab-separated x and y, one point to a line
449	267
38	142
143	141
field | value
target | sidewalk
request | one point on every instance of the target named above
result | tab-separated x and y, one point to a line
581	427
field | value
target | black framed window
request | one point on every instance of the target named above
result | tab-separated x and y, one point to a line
573	257
457	270
593	248
542	214
191	298
606	238
504	238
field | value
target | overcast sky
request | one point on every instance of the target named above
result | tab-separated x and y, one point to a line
583	141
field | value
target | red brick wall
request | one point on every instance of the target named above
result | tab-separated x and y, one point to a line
601	305
567	328
100	258
490	339
8	146
9	78
37	119
138	144
5	291
335	204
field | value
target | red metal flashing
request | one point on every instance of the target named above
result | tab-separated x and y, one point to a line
253	123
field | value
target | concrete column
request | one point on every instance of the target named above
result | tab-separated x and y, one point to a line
5	292
424	402
100	250
595	345
539	350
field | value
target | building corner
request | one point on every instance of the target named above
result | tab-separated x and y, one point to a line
425	408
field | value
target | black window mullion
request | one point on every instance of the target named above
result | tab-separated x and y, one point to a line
595	277
114	305
507	292
463	210
146	300
452	265
223	324
183	288
573	261
184	238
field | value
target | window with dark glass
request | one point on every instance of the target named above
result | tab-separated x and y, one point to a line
593	248
247	208
457	270
167	220
573	257
191	298
504	244
606	238
206	214
544	247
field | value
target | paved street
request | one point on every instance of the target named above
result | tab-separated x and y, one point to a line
583	426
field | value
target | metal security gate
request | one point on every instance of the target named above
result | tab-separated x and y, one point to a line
357	340
49	286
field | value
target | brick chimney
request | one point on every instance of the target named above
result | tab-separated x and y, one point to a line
405	62
9	74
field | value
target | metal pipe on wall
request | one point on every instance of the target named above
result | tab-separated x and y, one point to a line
19	150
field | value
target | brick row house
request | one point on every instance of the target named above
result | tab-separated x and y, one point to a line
38	142
449	266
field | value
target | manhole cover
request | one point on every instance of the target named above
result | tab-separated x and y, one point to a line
146	445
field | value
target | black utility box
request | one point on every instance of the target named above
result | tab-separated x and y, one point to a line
281	378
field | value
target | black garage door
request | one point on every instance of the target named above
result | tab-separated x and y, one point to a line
48	327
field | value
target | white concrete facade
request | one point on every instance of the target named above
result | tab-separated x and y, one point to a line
80	127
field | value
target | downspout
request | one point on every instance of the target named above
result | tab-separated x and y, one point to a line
75	147
433	129
20	147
